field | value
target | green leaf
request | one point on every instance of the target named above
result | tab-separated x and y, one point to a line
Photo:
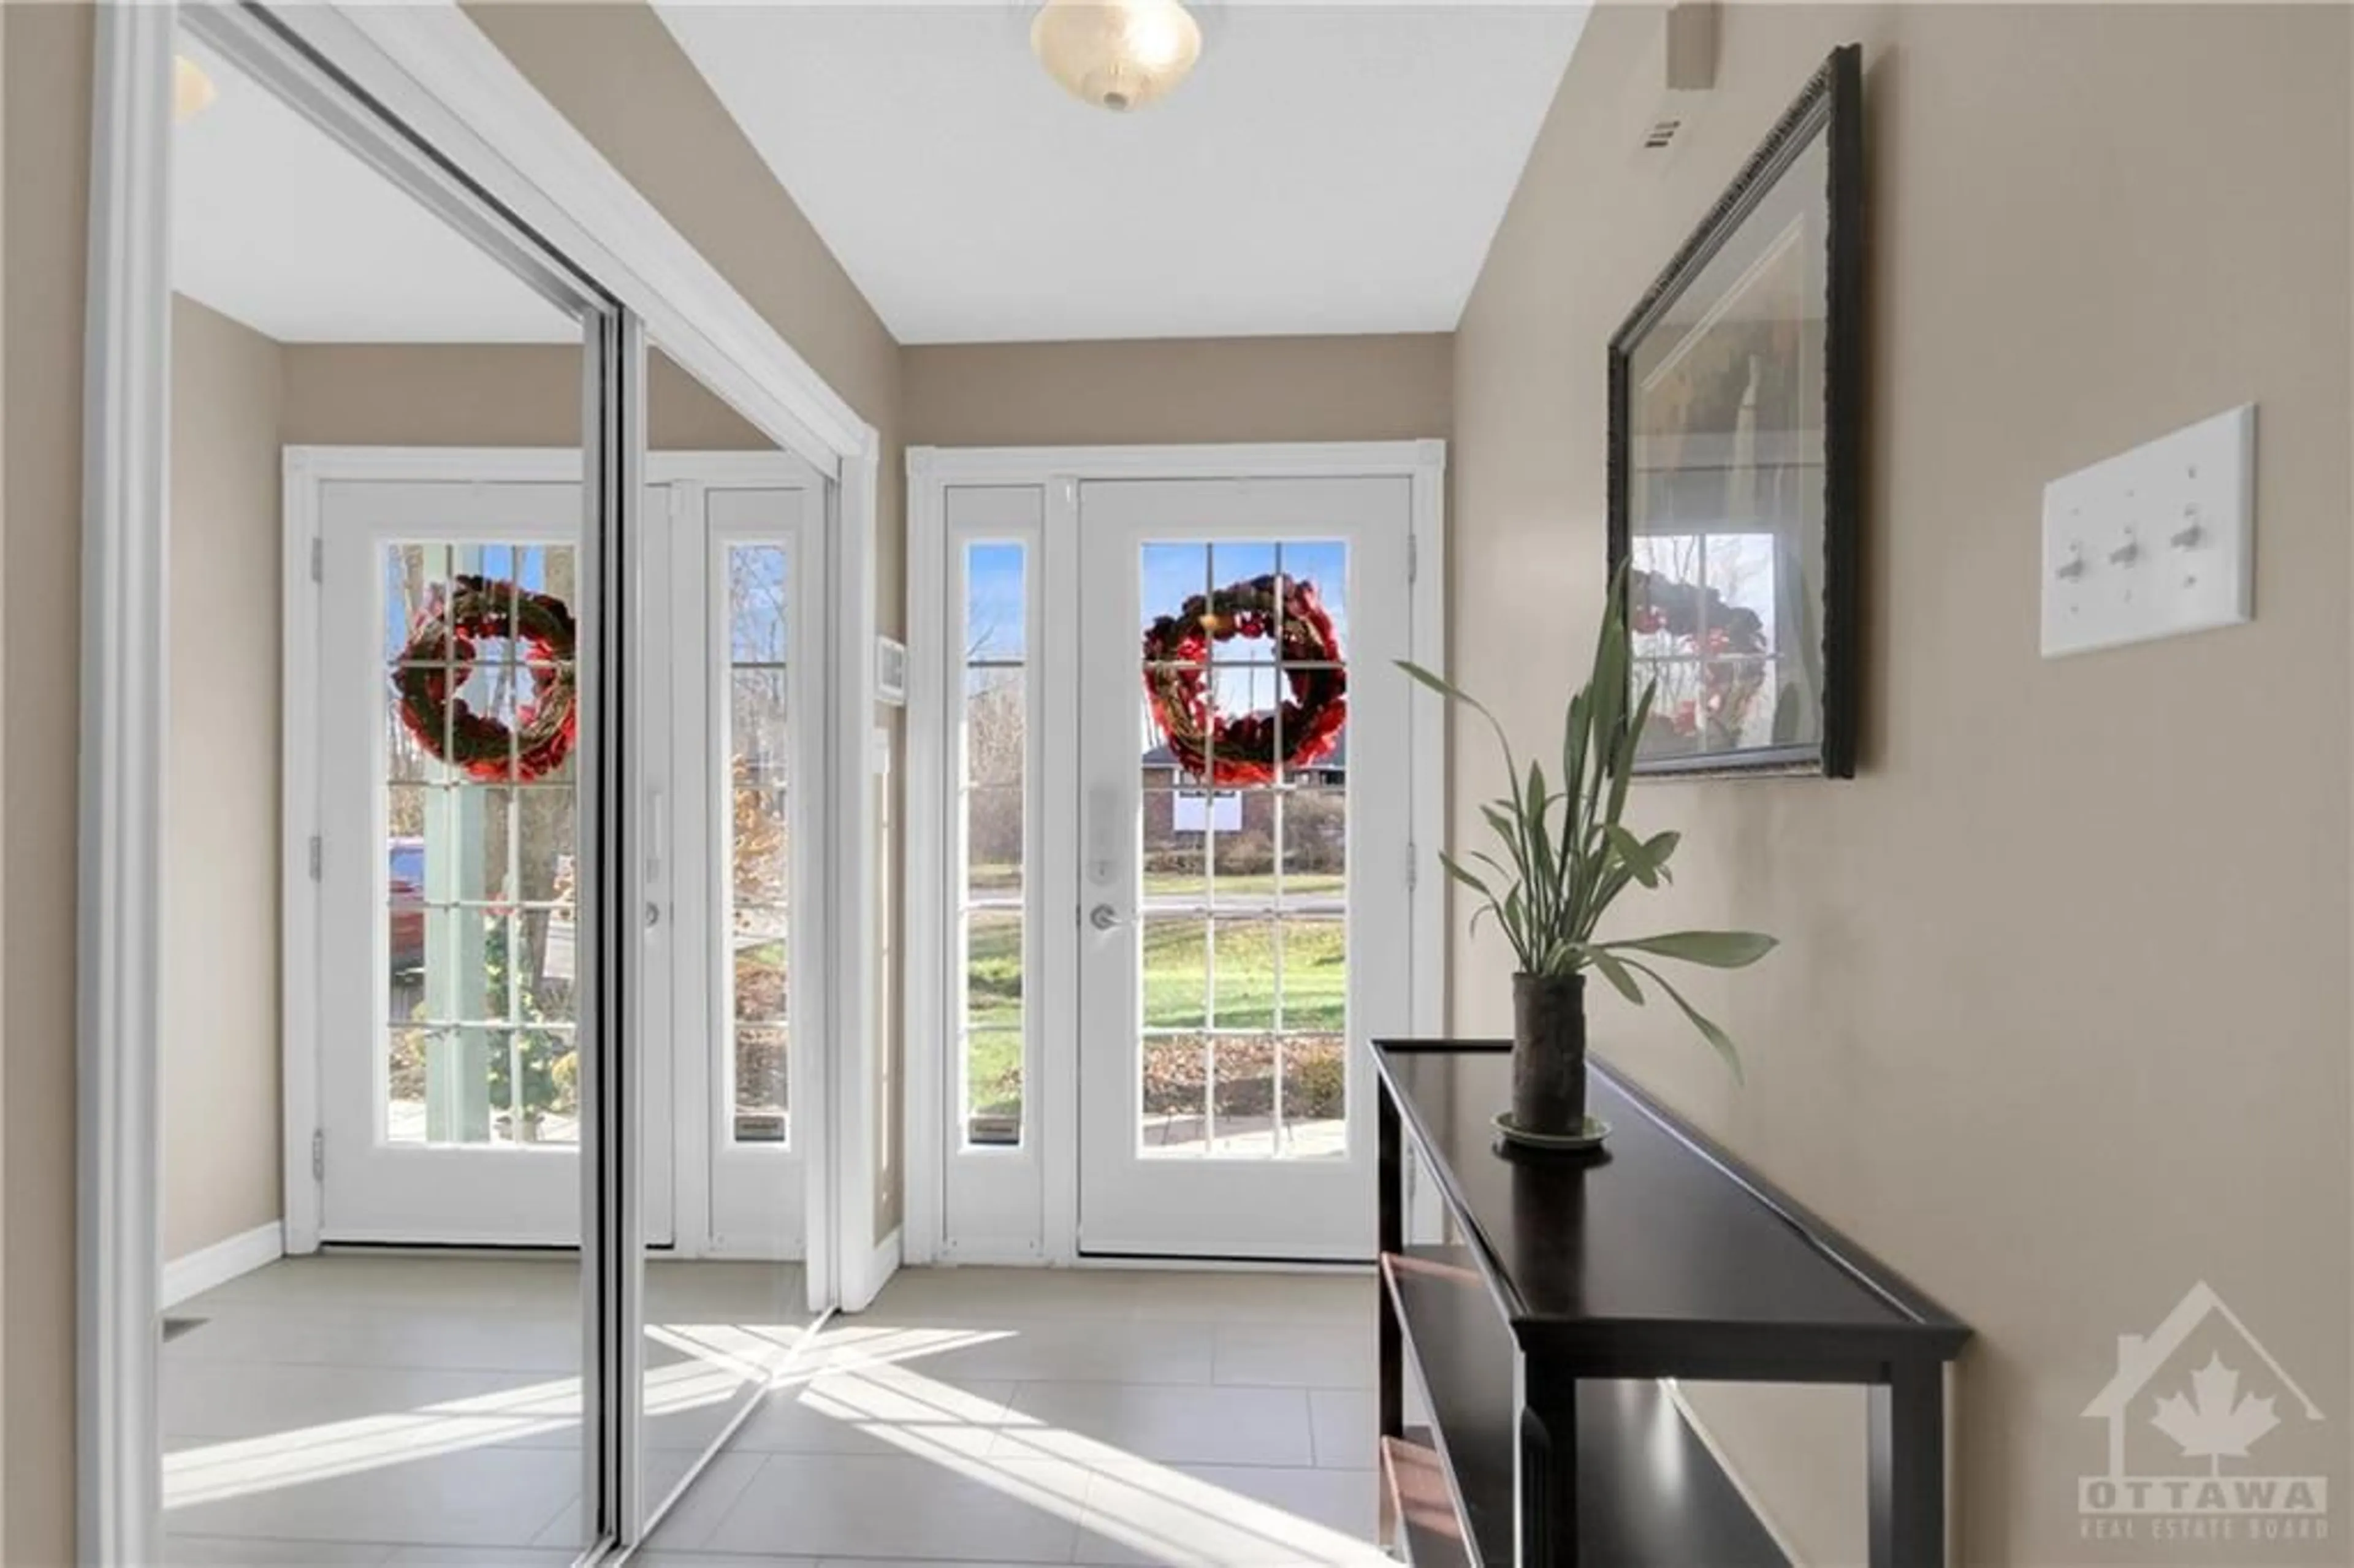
1615	973
1634	853
1454	870
1505	825
1513	911
1574	751
1492	863
1707	1027
1609	684
1436	682
1612	882
1545	883
1717	950
1623	748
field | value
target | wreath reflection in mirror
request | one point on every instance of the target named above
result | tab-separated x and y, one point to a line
436	666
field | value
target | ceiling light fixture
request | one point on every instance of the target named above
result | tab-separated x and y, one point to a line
191	91
1116	54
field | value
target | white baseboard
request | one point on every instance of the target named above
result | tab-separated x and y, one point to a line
989	1254
864	1281
222	1262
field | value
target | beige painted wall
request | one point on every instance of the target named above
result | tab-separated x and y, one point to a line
45	191
1180	389
2075	919
485	395
219	940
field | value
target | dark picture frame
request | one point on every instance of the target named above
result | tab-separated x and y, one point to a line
1736	459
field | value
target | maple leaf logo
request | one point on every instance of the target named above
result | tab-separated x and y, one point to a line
2216	1421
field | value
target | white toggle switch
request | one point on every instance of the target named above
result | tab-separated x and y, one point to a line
2104	586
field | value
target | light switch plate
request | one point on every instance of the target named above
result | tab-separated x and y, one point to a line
2154	542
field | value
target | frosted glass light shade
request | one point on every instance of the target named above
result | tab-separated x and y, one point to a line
1116	54
191	91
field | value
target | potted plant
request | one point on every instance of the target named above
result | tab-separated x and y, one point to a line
1566	857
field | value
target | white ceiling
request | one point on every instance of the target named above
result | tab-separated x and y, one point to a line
278	224
1327	168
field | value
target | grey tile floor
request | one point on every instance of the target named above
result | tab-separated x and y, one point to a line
371	1411
1020	1416
363	1412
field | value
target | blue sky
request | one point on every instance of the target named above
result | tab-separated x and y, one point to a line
524	564
1170	574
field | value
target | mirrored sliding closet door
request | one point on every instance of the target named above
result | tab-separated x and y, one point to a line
398	1245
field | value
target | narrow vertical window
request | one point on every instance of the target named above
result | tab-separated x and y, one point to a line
757	744
992	800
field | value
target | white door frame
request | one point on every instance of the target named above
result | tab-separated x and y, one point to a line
1056	472
307	469
453	90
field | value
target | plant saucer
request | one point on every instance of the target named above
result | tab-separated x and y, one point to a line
1589	1136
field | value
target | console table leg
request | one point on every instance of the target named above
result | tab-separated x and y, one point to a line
1390	1366
1548	1478
1908	1469
1389	1164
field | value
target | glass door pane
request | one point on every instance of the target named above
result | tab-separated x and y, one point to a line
480	937
994	735
1243	945
757	744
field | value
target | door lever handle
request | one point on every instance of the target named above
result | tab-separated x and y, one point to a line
1103	918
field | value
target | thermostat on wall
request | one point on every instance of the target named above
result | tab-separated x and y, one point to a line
891	671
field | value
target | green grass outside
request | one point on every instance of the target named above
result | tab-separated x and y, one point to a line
1005	879
1176	986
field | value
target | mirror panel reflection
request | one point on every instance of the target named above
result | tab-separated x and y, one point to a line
416	1384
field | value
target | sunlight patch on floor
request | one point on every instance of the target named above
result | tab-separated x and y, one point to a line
873	1381
715	1374
1178	1519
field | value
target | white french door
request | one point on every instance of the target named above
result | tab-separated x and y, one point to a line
446	938
449	928
1239	942
1161	974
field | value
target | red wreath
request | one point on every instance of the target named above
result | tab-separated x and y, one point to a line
438	659
1728	637
1245	750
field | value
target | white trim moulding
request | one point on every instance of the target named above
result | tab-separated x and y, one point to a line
208	1268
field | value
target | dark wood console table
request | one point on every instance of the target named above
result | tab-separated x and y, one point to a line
1566	1287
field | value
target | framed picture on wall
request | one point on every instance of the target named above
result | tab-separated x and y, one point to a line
1736	459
